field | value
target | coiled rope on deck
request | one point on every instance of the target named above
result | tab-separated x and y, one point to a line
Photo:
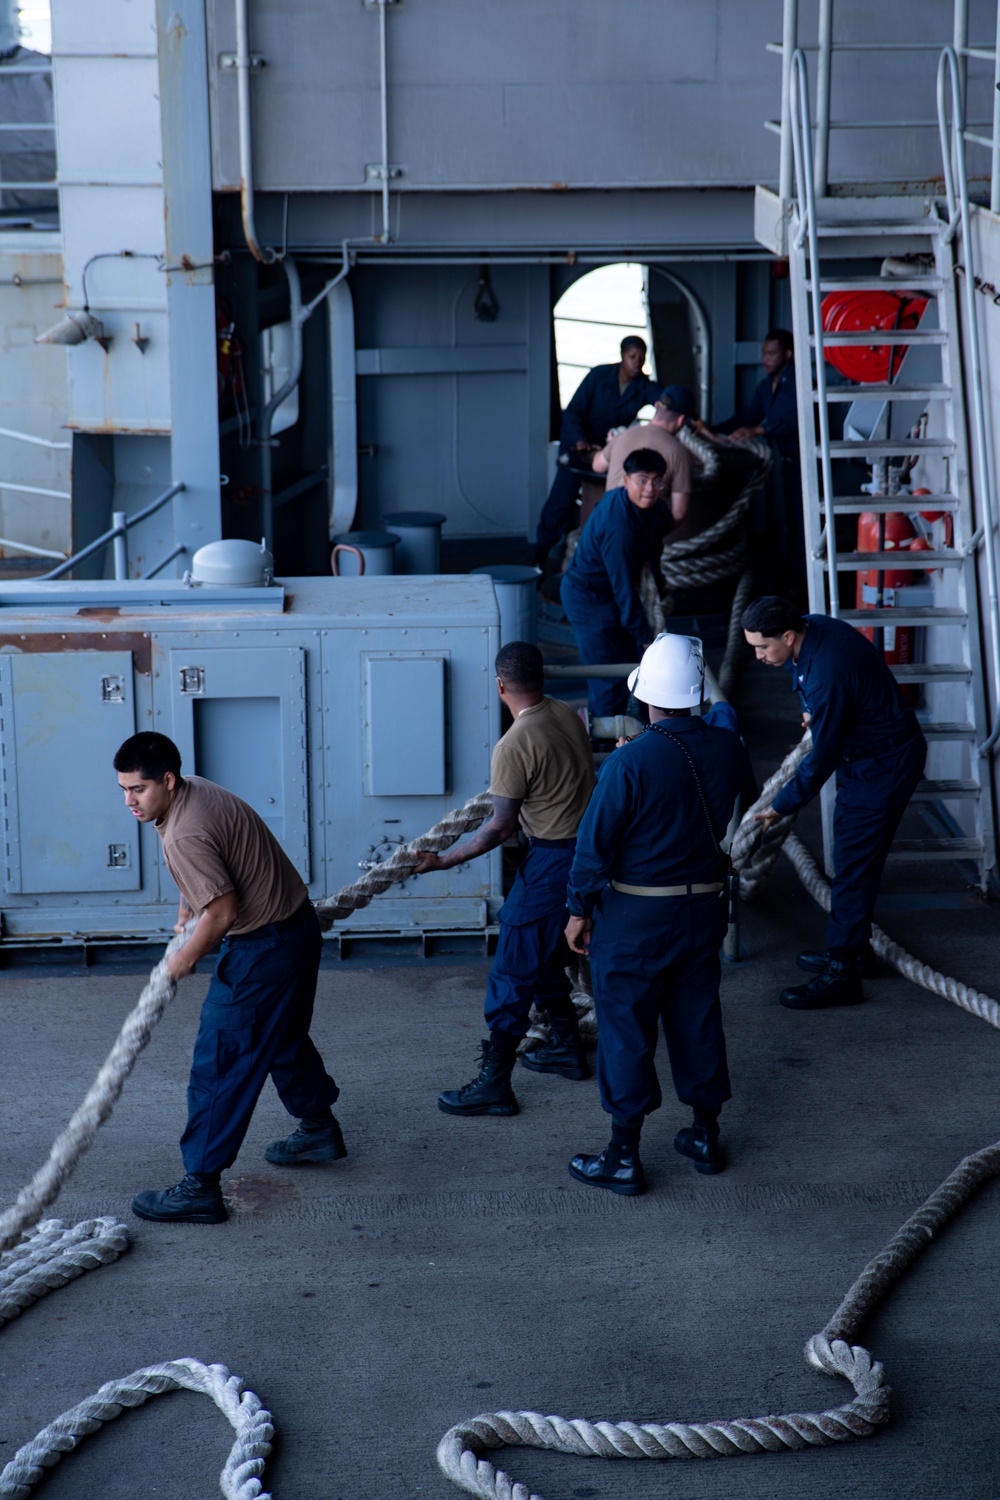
832	1350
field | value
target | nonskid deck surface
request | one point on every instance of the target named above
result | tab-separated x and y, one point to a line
452	1266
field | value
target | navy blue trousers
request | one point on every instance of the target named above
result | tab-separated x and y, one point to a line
871	798
255	1021
558	511
600	637
655	962
531	956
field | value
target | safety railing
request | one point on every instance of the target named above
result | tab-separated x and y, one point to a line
952	135
117	535
7	543
40	127
807	234
825	48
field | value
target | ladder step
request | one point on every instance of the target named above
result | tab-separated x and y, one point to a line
932	671
936	848
874	338
946	791
883	284
926	227
944	731
922	614
885	393
855	505
852	562
880	447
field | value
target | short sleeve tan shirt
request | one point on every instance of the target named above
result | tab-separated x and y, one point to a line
214	843
677	479
545	762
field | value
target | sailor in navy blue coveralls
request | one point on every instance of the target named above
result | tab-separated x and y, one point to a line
866	734
600	588
599	404
648	879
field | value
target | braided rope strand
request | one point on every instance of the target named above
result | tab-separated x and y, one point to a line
241	1474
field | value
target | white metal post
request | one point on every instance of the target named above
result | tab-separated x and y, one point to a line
789	42
118	519
822	150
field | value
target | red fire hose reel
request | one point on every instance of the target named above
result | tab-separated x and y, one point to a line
861	312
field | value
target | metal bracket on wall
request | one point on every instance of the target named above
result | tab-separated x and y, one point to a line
375	172
192	680
113	689
227	62
381	4
119	857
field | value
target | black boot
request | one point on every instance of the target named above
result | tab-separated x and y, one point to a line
490	1092
562	1053
197	1199
315	1139
839	984
814	961
701	1144
618	1168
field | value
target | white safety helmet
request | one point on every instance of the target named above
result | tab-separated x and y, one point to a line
671	673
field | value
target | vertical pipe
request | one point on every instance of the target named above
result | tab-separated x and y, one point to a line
807	220
822	154
120	544
789	42
245	133
995	159
383	79
960	41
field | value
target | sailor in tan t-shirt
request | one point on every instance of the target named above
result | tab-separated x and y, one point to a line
542	778
674	405
236	879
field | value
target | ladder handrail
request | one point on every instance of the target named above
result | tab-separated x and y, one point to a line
799	117
952	135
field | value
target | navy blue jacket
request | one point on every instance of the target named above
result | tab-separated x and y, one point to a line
774	410
617	539
854	700
645	823
598	405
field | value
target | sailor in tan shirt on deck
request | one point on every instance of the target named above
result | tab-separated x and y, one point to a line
541	781
235	877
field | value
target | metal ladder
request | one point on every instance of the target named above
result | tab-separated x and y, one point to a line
859	230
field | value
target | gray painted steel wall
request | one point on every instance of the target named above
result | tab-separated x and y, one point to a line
574	92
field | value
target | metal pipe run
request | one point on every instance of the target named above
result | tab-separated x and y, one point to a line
24	437
120	544
8	545
823	69
244	119
383	81
789	43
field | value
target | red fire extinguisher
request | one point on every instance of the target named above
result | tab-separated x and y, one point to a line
879	588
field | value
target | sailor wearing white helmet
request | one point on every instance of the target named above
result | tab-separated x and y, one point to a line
646	902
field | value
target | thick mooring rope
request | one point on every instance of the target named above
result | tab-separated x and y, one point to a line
832	1350
240	1478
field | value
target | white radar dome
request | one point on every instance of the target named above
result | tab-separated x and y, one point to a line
235	563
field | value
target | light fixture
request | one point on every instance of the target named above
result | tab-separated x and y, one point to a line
77	328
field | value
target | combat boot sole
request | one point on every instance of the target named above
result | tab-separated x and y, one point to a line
276	1154
449	1103
576	1070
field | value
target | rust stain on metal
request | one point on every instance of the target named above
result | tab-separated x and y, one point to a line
140	645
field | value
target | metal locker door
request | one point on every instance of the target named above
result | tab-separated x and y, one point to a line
62	717
239	719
